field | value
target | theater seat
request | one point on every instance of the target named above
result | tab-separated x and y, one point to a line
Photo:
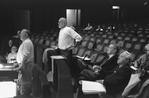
140	90
93	56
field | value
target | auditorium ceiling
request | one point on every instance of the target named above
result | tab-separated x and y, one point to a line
69	3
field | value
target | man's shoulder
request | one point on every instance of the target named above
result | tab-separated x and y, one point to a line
27	41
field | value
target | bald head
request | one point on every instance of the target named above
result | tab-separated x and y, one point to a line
62	22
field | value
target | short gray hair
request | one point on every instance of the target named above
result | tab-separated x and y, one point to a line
64	20
128	56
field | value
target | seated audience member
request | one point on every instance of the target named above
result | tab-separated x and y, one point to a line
26	91
99	28
142	71
109	63
116	80
89	27
7	49
11	58
142	61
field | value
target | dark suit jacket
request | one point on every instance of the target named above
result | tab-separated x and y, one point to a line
111	63
117	79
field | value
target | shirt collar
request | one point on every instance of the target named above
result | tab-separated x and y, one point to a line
111	56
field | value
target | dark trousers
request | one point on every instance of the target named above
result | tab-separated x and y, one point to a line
69	60
39	81
26	71
87	74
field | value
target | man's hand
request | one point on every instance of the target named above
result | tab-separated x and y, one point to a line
16	69
96	67
17	66
135	64
96	72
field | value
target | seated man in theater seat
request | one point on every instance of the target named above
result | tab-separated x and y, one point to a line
116	80
89	27
109	63
141	73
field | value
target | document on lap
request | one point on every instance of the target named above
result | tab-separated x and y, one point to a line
86	58
58	57
134	68
89	87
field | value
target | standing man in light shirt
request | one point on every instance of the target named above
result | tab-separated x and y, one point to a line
67	38
25	56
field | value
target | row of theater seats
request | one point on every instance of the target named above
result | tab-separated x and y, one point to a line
96	42
133	47
126	28
95	45
45	38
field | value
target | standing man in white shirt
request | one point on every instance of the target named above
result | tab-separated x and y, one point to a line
67	38
25	56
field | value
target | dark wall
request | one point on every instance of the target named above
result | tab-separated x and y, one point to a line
136	12
96	15
22	19
6	21
42	19
46	19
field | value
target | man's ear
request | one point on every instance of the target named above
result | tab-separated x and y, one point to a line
127	60
115	51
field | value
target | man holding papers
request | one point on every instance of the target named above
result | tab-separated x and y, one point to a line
117	79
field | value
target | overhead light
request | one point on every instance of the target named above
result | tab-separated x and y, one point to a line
145	3
115	7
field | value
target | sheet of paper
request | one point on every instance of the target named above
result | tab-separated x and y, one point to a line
89	87
57	57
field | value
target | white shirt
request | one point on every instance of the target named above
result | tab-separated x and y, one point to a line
110	56
66	38
25	49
